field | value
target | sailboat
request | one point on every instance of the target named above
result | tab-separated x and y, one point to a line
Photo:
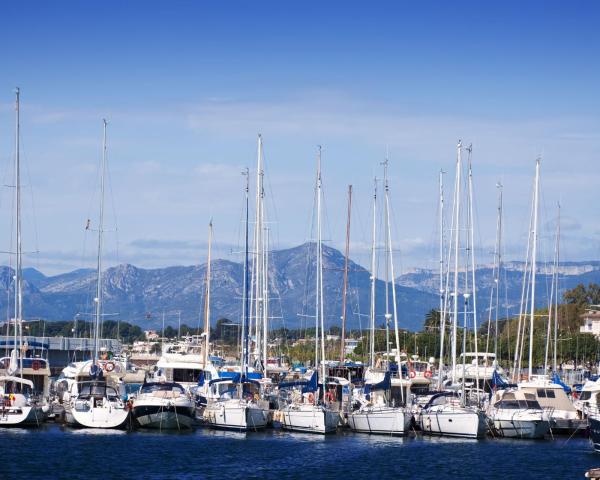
239	405
24	377
307	410
378	410
449	413
95	403
549	392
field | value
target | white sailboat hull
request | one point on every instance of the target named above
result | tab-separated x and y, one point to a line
22	416
82	415
382	420
235	415
520	425
454	422
309	418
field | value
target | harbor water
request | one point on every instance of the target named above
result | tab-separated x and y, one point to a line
54	451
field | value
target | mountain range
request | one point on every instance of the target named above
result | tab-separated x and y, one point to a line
140	296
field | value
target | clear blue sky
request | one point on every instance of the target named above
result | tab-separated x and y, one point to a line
186	87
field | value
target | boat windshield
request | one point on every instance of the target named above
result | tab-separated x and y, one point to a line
585	395
96	390
162	387
518	405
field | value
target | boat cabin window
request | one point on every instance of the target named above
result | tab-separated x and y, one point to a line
585	395
518	405
545	393
188	375
441	400
96	390
508	404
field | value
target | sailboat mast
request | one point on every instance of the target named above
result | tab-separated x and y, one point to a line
441	252
554	364
319	292
257	261
372	313
472	252
98	298
391	260
533	262
443	287
18	269
498	264
207	297
265	297
246	304
518	359
345	292
456	256
553	292
387	315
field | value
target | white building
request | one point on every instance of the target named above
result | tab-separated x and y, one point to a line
350	345
591	322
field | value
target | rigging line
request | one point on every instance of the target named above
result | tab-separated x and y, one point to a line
114	211
34	213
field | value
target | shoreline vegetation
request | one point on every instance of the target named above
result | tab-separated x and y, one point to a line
297	344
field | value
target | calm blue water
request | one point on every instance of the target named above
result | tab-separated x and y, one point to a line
57	452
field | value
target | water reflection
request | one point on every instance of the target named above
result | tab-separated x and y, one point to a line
100	432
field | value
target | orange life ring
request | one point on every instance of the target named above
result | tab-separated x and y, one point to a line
35	365
109	366
311	398
428	373
412	374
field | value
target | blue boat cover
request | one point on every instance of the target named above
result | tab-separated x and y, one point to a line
307	385
235	378
385	384
556	379
312	384
498	382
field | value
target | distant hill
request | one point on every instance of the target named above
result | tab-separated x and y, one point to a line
140	295
570	275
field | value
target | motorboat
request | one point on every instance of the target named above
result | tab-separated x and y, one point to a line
163	405
564	417
517	414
